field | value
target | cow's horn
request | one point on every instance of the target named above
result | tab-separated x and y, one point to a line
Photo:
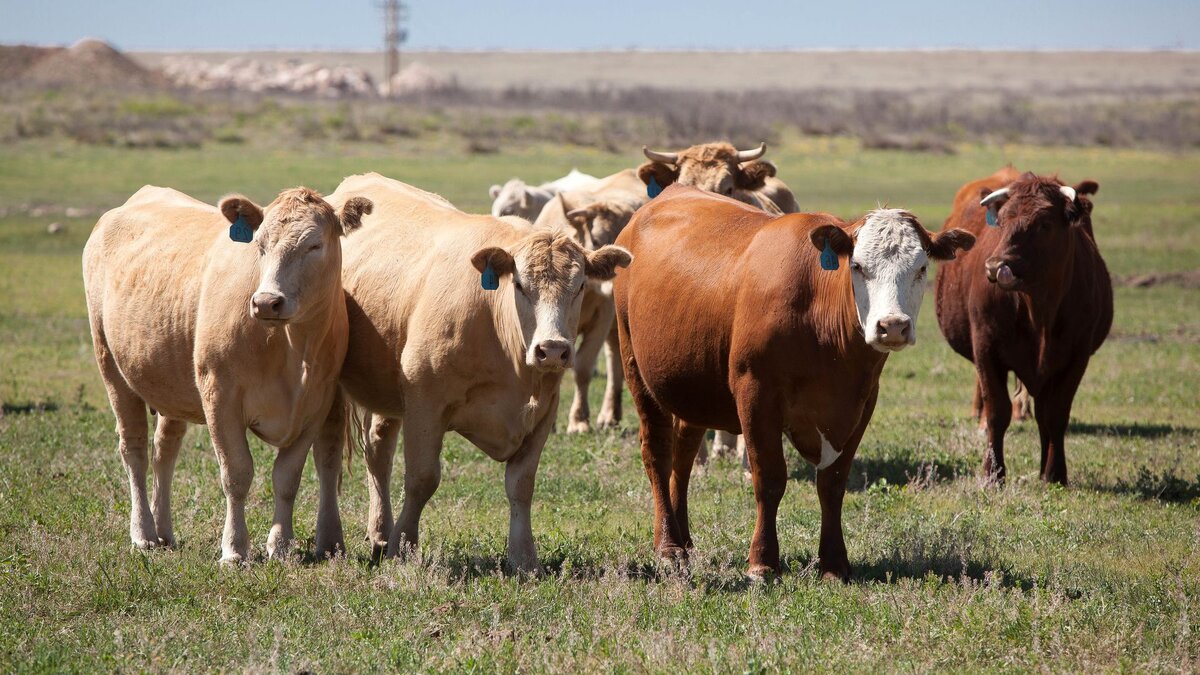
747	155
655	156
1068	192
997	196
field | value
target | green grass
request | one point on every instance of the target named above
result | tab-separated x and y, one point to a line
1103	575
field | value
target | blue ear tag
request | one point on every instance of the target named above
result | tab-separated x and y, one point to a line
652	188
829	261
239	231
991	218
490	280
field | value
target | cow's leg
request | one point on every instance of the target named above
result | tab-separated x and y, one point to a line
610	409
379	449
657	448
520	473
763	430
585	364
977	405
688	440
725	444
1022	402
132	435
997	411
1052	410
422	474
285	484
327	456
237	474
168	436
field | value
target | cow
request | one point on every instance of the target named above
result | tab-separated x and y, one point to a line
597	214
516	198
723	169
459	323
238	336
1034	298
727	321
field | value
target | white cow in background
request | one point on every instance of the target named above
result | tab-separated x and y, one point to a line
516	198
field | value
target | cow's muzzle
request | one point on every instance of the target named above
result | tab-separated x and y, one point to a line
999	273
552	355
893	333
269	307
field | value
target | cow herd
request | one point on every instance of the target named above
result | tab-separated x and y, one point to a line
382	311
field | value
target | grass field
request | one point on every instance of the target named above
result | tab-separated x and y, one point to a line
1102	575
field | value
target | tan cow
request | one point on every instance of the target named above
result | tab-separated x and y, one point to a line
597	215
237	336
517	198
431	351
725	170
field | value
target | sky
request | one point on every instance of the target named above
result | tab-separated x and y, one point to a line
609	24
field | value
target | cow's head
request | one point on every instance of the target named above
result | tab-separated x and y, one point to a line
298	240
597	223
889	253
516	198
546	273
1035	216
715	167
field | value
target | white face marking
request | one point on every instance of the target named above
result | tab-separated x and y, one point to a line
548	314
828	454
888	268
518	199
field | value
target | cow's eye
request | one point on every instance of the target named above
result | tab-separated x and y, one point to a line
921	272
854	266
314	247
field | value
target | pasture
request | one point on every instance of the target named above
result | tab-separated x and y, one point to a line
947	575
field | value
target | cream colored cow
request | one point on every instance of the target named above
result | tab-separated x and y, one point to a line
431	351
597	213
234	335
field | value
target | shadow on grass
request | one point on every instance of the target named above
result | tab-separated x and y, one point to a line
1150	485
894	470
7	408
1133	430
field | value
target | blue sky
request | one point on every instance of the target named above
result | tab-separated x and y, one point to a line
613	24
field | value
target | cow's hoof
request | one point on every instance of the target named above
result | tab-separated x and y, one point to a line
673	553
605	420
839	573
578	427
763	574
167	541
233	560
143	544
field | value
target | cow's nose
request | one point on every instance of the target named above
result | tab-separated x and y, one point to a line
895	330
990	266
266	305
552	354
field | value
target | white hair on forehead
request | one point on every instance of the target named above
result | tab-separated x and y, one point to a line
888	234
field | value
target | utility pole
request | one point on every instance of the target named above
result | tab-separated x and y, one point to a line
394	16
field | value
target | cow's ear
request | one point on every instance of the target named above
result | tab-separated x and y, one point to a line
753	175
838	240
663	174
602	263
235	206
945	244
1087	187
500	260
352	213
494	191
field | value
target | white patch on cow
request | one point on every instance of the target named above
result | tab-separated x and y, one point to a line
889	279
828	454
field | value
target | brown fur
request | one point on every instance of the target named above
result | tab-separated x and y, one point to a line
1047	327
714	167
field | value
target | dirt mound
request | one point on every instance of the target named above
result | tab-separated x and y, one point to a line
1188	279
16	60
420	79
292	77
88	63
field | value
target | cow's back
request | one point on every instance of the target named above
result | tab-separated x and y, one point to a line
143	265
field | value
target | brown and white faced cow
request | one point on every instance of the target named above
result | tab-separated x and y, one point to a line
728	321
722	169
234	335
1034	298
432	350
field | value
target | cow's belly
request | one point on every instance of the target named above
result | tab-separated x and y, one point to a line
696	393
279	411
498	418
154	356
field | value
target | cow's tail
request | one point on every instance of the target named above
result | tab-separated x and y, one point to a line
354	424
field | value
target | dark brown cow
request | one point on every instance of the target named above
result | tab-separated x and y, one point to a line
724	170
1033	297
727	321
